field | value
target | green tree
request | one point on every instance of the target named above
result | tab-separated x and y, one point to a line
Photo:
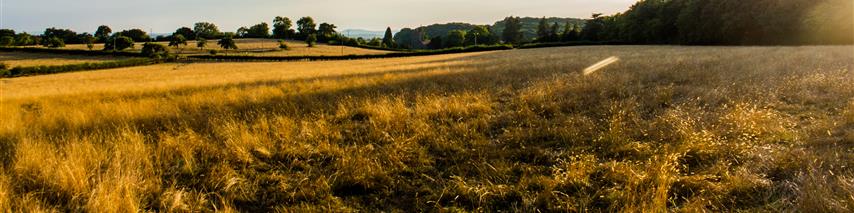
481	35
155	50
554	33
455	38
306	27
594	28
136	35
543	32
178	40
118	42
54	42
227	43
24	39
7	32
388	39
570	32
103	33
282	27
283	45
188	33
7	41
436	43
311	40
201	43
206	30
89	40
512	30
326	32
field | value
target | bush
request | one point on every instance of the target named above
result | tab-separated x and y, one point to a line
54	42
119	43
7	41
311	40
39	70
213	52
154	50
3	66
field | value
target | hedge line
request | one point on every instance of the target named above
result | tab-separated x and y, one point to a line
569	44
71	51
40	70
351	57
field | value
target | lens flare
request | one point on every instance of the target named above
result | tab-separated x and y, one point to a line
600	65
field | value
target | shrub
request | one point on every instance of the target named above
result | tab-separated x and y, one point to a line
3	66
213	52
7	41
54	42
119	43
154	50
311	40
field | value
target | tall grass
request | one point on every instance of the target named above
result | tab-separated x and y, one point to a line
665	129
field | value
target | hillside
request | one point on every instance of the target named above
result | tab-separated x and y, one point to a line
408	37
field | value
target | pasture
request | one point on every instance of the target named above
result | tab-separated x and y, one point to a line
663	129
261	47
22	59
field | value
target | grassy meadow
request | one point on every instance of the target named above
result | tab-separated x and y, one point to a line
664	129
255	47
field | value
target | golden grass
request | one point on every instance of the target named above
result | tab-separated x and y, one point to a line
665	129
22	59
259	47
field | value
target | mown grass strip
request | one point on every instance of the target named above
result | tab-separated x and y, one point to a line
41	70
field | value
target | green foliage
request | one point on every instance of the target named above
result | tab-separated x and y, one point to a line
311	40
188	33
283	45
511	33
3	66
326	32
478	48
7	41
103	33
227	43
481	35
388	39
155	50
282	28
24	39
201	43
136	35
177	40
456	38
7	32
40	70
207	30
528	26
66	35
306	27
53	42
118	43
261	30
213	52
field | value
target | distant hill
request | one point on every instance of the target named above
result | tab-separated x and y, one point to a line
366	34
530	24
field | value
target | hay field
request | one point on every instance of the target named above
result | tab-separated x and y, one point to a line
664	129
260	47
22	59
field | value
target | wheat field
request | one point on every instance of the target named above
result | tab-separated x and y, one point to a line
22	59
664	129
256	47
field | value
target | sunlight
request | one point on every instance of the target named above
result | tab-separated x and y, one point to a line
600	65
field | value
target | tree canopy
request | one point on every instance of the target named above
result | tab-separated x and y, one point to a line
207	30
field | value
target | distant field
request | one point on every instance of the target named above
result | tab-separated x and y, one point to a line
664	129
21	59
266	47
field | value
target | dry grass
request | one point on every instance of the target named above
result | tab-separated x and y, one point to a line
21	59
665	129
261	47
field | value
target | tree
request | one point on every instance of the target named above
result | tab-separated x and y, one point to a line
7	32
24	39
326	32
227	43
136	35
178	40
201	43
155	50
118	43
206	30
54	42
594	28
554	33
66	35
512	30
543	32
480	35
570	33
89	40
7	41
456	38
261	30
306	27
103	33
436	43
282	27
283	45
188	33
311	40
388	39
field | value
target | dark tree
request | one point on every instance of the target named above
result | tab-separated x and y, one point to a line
136	35
455	38
207	30
178	40
512	30
201	43
594	28
570	33
66	35
54	42
227	43
282	28
436	43
103	33
155	50
311	40
24	39
7	32
119	43
306	26
188	33
554	33
543	32
7	41
326	32
388	39
88	39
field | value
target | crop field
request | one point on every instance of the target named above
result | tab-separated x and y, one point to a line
664	128
21	59
260	47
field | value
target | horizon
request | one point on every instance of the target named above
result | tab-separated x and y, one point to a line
372	15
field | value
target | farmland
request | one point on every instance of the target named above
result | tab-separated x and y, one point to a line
21	59
260	47
665	128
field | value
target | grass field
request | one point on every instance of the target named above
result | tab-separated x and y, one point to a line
263	47
21	59
664	129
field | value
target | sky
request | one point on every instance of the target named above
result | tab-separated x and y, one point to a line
163	16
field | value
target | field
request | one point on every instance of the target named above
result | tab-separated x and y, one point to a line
263	47
665	128
20	59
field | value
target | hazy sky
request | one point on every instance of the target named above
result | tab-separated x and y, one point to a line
167	15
